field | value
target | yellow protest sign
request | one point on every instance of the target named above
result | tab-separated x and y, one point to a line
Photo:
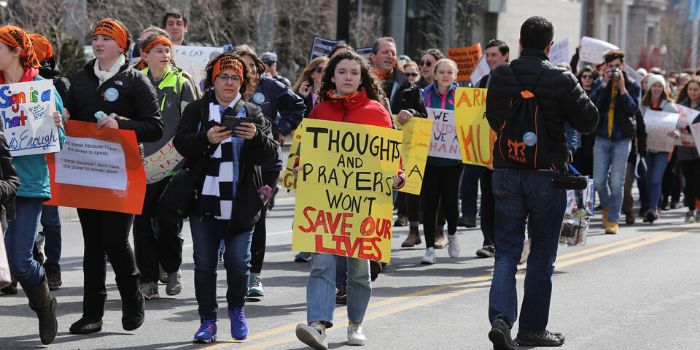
414	151
288	180
344	192
476	139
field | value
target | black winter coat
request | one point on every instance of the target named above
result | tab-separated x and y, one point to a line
405	95
9	180
136	99
49	70
561	99
193	144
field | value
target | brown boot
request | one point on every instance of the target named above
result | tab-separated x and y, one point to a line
440	241
44	304
412	239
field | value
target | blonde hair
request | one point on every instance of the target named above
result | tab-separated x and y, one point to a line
452	64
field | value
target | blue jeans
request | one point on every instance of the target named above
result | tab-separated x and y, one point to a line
320	291
656	165
206	240
19	242
470	189
610	158
341	272
52	235
521	194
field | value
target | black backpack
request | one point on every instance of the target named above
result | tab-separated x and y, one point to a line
523	138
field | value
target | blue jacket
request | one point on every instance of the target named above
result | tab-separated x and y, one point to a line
275	98
32	169
626	106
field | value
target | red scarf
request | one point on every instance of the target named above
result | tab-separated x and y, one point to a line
383	76
346	97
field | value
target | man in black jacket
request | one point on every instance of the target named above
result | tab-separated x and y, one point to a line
523	193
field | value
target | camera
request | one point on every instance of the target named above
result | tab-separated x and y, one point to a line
616	74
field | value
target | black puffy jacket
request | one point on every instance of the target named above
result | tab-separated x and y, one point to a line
403	94
561	99
136	99
49	70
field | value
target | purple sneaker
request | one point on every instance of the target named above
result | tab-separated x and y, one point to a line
239	326
206	332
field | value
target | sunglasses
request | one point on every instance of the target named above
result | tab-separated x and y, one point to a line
586	76
319	69
412	74
426	63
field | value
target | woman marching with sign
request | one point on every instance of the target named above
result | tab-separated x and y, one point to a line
18	64
689	96
229	157
443	177
350	93
174	91
113	95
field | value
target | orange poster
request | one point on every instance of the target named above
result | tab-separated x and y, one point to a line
466	59
98	169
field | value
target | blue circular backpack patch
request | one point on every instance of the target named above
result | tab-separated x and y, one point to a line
530	139
111	94
258	98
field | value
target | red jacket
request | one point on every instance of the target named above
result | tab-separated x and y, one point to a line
358	110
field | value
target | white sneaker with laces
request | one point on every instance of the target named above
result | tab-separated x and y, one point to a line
429	258
452	246
313	335
355	336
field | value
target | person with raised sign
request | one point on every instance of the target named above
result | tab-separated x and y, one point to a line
19	64
229	204
349	93
274	99
689	96
175	92
108	86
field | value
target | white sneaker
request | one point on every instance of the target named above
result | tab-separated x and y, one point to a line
313	335
452	246
355	336
429	258
526	251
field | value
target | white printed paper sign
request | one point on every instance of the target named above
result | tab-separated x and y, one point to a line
592	50
160	164
687	116
695	130
481	70
444	142
194	59
92	163
27	116
658	125
559	52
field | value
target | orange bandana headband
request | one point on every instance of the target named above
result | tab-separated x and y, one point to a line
112	29
16	37
228	63
42	47
160	41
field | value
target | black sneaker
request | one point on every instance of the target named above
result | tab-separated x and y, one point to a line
500	335
375	267
467	222
545	339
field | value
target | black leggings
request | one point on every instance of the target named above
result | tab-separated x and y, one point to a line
691	172
488	205
257	246
441	188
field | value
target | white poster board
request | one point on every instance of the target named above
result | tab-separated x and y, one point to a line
695	130
160	164
481	70
592	50
92	163
658	125
194	59
27	116
687	116
559	52
631	73
444	142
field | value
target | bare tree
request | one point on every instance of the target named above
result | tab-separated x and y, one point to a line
297	23
675	32
464	18
366	25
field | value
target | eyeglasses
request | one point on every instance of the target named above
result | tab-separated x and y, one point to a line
319	69
225	78
586	76
426	63
412	74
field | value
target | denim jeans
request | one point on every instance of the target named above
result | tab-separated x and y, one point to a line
522	194
19	242
206	241
656	165
610	159
320	291
51	223
470	189
341	272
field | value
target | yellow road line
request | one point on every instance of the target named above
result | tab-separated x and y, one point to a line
652	238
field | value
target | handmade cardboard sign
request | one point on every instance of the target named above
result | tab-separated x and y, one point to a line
288	180
344	192
466	59
687	116
158	165
476	138
444	142
559	52
414	152
658	125
592	50
27	116
194	59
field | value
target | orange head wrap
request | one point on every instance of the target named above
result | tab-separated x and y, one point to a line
42	47
16	37
161	40
112	29
228	63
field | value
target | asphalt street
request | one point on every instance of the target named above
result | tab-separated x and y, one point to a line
634	290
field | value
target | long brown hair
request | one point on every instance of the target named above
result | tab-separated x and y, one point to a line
306	75
646	100
369	80
683	91
248	85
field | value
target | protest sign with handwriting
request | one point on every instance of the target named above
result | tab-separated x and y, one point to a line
476	138
687	116
194	59
288	180
344	192
592	49
444	142
414	152
658	125
27	116
466	59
